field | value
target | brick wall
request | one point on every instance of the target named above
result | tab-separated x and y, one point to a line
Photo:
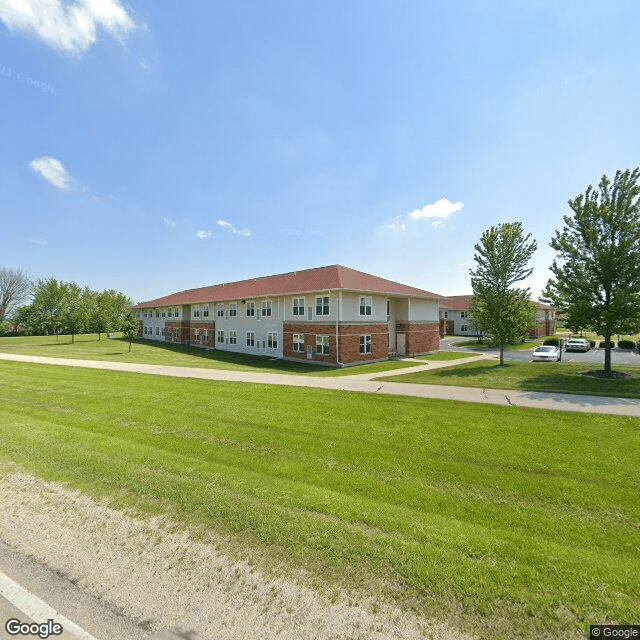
202	326
421	338
348	338
181	327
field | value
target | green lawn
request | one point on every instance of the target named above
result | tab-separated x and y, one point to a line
474	344
509	523
447	355
528	376
88	347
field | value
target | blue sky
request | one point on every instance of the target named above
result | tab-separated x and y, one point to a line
154	146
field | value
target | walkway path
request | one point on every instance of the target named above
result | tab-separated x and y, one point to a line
366	383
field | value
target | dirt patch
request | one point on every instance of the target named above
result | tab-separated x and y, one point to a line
603	375
163	578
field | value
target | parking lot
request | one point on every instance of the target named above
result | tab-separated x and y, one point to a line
593	356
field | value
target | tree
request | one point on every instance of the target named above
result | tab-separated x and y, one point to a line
130	327
15	287
497	307
597	271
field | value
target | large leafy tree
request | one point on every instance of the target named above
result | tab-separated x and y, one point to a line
498	307
15	288
596	276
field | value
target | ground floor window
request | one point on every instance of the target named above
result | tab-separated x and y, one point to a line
365	344
163	332
322	345
251	338
272	340
220	336
298	342
205	336
464	327
233	337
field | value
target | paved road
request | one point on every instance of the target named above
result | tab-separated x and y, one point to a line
367	384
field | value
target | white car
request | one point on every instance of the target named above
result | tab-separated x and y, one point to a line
577	344
547	353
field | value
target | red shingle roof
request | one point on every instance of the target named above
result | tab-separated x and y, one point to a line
334	277
455	303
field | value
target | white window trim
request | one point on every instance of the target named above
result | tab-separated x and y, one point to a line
368	308
298	341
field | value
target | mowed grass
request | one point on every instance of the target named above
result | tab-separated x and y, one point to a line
528	376
508	523
88	347
447	355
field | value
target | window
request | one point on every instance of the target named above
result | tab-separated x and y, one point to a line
464	314
196	312
445	314
464	327
251	338
205	336
196	334
175	312
365	344
233	337
233	309
220	311
272	340
266	308
157	331
298	306
322	344
298	342
388	307
205	311
251	309
164	313
157	313
365	306
220	336
163	332
322	306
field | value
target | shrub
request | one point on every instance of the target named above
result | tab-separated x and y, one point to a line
603	344
626	344
552	341
592	343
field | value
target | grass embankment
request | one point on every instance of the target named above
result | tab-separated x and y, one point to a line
527	376
512	524
88	347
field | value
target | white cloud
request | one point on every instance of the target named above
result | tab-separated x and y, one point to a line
70	27
37	241
245	233
204	234
52	171
437	224
168	222
439	209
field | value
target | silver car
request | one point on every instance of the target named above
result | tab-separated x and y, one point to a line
577	344
547	353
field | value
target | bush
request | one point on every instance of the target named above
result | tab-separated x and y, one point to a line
592	343
554	342
603	344
626	344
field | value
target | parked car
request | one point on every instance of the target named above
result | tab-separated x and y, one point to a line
546	353
577	344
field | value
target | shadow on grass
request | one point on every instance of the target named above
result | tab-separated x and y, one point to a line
227	357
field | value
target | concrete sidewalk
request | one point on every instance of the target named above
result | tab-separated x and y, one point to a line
365	383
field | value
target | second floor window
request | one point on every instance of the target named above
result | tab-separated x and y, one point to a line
322	306
298	306
266	308
251	309
365	306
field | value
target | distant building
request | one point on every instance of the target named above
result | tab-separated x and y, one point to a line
456	320
331	315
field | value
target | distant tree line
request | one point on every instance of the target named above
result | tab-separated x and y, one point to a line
65	307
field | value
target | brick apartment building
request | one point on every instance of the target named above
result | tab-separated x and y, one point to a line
331	315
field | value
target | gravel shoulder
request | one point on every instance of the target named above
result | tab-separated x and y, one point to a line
161	577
